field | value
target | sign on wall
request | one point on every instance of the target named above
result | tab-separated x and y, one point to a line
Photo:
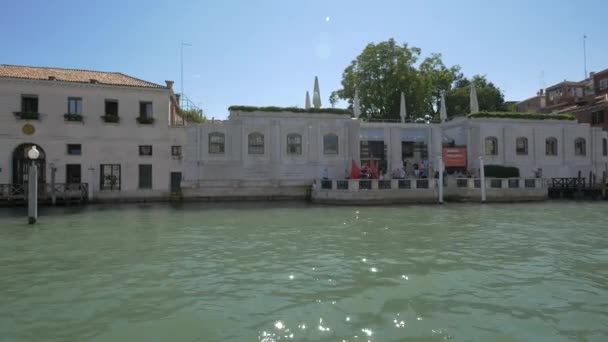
455	156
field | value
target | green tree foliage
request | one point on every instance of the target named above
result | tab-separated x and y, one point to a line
489	96
192	115
383	70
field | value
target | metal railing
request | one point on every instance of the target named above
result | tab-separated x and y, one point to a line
428	184
46	191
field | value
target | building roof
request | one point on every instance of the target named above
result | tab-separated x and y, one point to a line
73	75
563	83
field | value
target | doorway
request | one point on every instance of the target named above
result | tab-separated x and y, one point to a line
176	180
73	174
21	164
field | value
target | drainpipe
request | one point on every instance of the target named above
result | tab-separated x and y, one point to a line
482	175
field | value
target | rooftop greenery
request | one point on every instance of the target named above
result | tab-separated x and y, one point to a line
274	109
523	116
192	115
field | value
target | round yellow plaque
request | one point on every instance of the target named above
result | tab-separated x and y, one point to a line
28	129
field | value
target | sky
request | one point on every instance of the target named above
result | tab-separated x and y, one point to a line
267	52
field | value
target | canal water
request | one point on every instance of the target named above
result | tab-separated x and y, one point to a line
293	272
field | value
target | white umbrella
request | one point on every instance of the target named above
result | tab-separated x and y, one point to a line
402	110
316	95
474	102
307	103
356	105
443	112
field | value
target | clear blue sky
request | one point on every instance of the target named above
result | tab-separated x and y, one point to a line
267	52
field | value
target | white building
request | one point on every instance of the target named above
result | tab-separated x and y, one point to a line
118	134
267	154
279	154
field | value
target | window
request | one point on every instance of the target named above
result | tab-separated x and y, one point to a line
176	151
74	149
74	105
217	143
551	147
145	110
256	143
330	144
294	143
521	146
109	177
580	147
604	84
111	108
605	147
145	176
491	146
29	104
597	117
145	150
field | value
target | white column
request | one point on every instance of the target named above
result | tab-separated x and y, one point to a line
440	182
482	176
32	209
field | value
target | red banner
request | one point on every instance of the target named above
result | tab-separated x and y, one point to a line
455	156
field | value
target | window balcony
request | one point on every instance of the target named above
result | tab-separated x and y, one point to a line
73	117
142	120
110	118
27	115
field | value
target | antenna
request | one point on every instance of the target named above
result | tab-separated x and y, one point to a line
182	66
585	53
541	79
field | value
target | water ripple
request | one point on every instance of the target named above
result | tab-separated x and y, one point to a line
278	272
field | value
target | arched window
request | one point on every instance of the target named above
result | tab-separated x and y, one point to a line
330	144
605	147
491	146
217	143
521	146
256	143
580	148
294	143
551	146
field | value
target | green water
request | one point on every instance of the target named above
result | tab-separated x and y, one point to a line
283	272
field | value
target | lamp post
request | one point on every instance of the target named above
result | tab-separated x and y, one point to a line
32	208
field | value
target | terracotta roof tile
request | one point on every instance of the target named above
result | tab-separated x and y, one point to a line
73	75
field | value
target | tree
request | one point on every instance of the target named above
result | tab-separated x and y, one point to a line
382	71
489	96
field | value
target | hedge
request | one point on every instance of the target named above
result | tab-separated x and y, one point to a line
274	109
499	171
524	116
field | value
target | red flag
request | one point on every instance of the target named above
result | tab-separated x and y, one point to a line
354	170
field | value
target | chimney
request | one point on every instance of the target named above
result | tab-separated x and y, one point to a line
591	74
93	81
52	78
169	84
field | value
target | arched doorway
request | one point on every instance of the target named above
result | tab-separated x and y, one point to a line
21	164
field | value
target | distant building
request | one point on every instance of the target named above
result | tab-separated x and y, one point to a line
587	100
533	104
115	136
